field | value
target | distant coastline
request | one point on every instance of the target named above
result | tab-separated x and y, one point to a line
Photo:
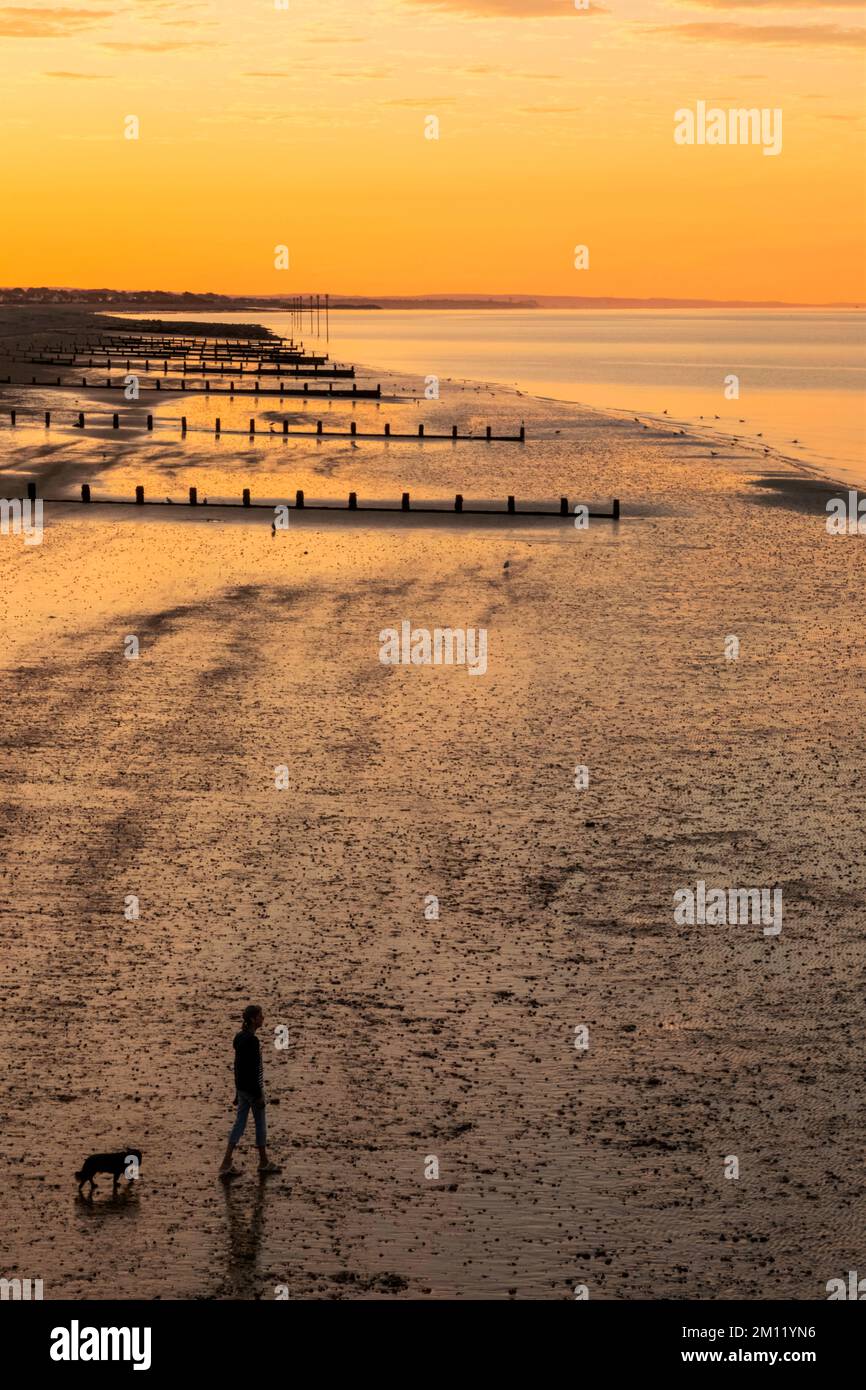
135	300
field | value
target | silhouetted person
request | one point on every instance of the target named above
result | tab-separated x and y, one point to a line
250	1093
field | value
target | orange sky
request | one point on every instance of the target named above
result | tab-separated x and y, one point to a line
305	126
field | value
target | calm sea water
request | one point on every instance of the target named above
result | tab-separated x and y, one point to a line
801	373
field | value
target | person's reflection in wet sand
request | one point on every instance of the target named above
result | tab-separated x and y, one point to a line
245	1222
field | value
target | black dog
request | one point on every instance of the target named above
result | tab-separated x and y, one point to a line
116	1164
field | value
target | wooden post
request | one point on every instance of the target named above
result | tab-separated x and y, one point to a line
246	497
81	419
510	503
523	434
193	497
252	427
150	422
183	383
285	427
183	424
115	422
489	432
404	505
31	492
231	388
47	418
299	498
12	416
563	506
387	430
207	388
616	509
453	431
318	427
84	381
85	492
458	502
353	501
353	428
158	384
139	496
420	431
217	426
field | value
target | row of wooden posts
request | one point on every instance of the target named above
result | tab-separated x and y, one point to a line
185	344
69	359
106	339
96	344
365	393
353	431
287	369
301	504
167	348
161	348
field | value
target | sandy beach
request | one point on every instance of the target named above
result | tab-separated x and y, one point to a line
411	1036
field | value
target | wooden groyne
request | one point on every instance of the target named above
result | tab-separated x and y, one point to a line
207	388
460	506
220	368
183	341
81	359
320	432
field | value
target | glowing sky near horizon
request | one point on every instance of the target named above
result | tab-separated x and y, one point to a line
305	126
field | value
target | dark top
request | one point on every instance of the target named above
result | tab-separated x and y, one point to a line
248	1064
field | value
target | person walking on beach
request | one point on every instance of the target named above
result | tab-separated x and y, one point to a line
250	1093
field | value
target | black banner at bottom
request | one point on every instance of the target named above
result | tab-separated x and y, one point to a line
162	1339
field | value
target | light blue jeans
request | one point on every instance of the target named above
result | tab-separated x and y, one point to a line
245	1104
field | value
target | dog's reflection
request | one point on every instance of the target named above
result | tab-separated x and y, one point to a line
121	1201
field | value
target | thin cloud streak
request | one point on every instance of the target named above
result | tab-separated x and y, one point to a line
816	5
829	35
511	9
23	22
157	46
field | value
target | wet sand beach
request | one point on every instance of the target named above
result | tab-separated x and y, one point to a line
413	1037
